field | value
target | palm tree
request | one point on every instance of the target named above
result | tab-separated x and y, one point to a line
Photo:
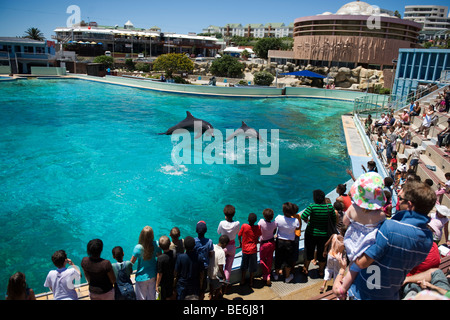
34	33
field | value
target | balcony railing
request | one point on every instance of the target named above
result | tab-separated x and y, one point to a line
34	56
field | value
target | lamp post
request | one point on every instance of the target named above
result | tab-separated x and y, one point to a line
114	38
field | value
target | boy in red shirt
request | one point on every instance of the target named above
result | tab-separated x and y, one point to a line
248	238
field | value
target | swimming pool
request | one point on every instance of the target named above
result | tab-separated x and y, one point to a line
83	160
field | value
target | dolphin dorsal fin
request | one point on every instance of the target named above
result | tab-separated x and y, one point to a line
244	124
189	115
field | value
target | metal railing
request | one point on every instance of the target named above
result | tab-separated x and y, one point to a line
377	104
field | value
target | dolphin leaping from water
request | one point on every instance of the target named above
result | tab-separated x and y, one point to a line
188	124
247	131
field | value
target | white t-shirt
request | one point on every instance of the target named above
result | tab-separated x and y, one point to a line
231	229
219	259
61	283
286	227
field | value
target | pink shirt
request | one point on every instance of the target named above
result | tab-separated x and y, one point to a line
267	229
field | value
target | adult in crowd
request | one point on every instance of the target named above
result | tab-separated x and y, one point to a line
99	272
443	135
316	216
426	123
402	243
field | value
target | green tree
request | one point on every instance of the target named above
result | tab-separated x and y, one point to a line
129	64
265	44
173	62
263	78
105	60
245	54
34	33
227	66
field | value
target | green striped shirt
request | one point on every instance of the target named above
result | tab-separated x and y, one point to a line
317	217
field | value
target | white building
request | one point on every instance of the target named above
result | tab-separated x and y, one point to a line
92	40
255	30
434	19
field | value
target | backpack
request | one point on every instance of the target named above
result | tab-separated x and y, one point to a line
123	287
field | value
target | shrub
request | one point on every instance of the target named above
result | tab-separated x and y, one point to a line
178	79
142	66
129	64
263	78
105	60
227	66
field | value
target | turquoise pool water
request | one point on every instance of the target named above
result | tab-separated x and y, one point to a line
83	160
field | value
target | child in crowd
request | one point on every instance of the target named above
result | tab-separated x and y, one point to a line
230	228
187	271
380	147
401	179
216	268
332	247
402	166
443	187
165	270
343	196
363	219
267	244
285	245
414	156
176	243
339	209
439	222
144	257
60	281
387	208
393	173
204	248
123	288
248	238
394	158
388	183
18	289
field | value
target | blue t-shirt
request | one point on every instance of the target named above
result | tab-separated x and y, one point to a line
145	269
203	246
187	267
402	243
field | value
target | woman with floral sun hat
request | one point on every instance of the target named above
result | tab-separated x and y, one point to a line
362	219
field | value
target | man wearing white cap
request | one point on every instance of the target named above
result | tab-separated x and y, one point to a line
439	223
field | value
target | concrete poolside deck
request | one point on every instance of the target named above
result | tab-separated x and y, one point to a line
301	287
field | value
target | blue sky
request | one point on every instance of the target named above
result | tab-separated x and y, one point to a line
180	16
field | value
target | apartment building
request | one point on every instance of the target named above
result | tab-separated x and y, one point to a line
435	20
254	30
